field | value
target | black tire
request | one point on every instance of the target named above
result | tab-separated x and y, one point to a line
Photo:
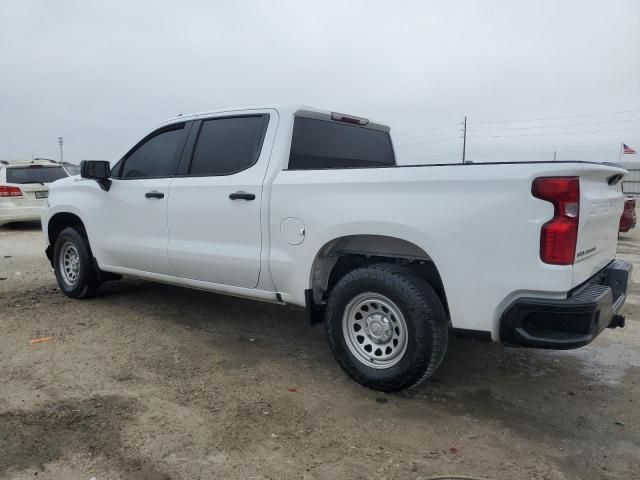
85	282
424	318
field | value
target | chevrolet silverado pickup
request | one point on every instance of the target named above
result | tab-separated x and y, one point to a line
301	206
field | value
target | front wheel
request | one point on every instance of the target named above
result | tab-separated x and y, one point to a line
73	264
387	327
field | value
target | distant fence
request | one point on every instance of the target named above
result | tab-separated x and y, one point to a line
631	182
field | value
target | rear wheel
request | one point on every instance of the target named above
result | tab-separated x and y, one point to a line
387	327
73	264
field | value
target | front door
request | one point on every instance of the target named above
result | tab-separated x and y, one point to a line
215	205
130	228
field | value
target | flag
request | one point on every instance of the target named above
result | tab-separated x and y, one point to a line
626	149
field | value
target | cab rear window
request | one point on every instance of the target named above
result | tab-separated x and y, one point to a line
34	174
319	144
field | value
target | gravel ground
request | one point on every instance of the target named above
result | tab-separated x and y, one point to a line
150	381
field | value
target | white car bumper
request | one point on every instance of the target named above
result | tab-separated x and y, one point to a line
19	214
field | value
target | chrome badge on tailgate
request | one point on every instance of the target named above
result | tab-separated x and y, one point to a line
585	253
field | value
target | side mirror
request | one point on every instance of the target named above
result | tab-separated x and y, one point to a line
98	170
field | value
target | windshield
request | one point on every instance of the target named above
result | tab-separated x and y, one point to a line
35	174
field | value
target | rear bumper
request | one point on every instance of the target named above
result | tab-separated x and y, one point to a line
572	322
19	214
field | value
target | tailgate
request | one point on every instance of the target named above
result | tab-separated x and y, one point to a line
33	194
33	181
601	206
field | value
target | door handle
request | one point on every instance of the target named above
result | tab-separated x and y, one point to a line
242	196
154	195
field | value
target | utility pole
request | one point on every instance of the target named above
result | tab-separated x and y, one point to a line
620	154
554	155
464	139
60	142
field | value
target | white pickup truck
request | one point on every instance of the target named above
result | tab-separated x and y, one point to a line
302	206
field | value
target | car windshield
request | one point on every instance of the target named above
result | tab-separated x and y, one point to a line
34	174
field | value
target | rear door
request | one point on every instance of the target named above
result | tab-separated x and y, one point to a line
130	222
214	204
601	205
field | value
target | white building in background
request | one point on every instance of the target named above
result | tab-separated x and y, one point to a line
631	182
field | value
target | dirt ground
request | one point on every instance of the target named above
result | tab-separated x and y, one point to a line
150	381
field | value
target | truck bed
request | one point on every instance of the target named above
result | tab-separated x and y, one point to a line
485	213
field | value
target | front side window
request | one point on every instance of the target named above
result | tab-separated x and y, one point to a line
228	145
156	157
325	144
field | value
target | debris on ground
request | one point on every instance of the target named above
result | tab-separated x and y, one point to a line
39	340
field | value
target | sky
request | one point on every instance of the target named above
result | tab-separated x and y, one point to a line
533	78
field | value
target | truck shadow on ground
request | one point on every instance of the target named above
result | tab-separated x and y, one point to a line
511	374
30	439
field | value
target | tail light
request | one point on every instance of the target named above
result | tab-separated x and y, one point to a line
8	191
559	235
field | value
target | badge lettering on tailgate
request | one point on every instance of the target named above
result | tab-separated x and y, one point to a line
588	251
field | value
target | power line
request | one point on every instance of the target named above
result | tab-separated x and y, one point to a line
586	151
426	141
562	117
539	152
484	156
533	127
402	133
491	154
552	133
425	135
413	157
442	127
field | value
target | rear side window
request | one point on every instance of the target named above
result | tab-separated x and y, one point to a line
35	174
228	145
157	156
325	144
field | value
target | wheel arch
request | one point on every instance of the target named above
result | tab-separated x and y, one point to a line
341	255
56	224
